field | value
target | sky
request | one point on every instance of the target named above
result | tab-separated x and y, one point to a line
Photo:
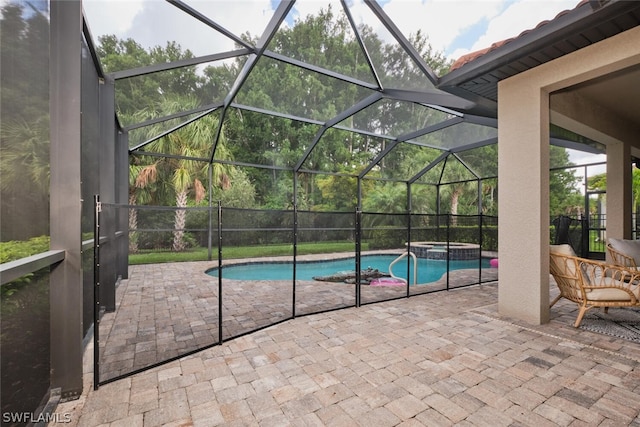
454	27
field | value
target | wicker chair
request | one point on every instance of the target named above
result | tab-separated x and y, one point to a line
591	283
619	257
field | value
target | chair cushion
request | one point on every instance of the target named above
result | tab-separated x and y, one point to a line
612	294
564	268
564	249
630	248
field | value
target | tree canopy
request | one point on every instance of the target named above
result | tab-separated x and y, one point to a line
24	114
255	164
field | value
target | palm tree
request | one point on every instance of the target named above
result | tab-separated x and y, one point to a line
24	181
387	198
141	178
458	176
193	141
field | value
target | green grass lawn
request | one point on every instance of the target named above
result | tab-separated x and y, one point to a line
596	243
201	254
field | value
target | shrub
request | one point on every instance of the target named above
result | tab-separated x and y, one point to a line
13	250
386	238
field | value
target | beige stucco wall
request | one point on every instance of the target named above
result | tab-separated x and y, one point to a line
523	164
523	197
619	191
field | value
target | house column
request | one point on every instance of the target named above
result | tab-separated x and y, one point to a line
523	191
619	192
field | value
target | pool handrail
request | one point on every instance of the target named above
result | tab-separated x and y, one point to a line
415	267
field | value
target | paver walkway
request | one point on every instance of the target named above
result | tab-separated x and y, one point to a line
168	310
444	358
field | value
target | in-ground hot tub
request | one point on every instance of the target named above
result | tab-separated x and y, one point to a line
438	250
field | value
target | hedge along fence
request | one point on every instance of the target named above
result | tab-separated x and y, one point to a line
245	227
389	238
392	237
13	250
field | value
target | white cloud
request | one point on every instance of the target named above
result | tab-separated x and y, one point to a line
111	17
583	157
154	23
442	20
518	17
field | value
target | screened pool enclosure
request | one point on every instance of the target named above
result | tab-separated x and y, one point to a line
336	147
207	140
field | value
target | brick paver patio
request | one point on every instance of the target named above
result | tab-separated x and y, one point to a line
444	358
168	310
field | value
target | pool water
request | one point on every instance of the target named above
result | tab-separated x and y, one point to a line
428	270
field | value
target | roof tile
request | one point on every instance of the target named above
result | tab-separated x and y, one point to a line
472	56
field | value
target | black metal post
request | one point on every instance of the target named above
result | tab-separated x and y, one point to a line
479	197
438	209
96	291
480	225
220	272
409	239
358	254
210	227
480	242
295	258
448	238
358	242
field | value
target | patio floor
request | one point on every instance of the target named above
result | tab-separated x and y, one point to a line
168	310
444	358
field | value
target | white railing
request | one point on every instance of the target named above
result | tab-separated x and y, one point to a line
415	267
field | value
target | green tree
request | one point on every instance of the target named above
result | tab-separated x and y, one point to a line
324	40
143	174
387	197
24	64
599	183
339	193
458	185
24	161
149	91
24	118
184	174
563	192
240	194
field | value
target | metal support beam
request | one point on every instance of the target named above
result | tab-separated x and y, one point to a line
202	18
402	40
360	40
276	20
408	136
320	70
168	131
177	115
371	99
107	155
187	62
430	166
122	199
429	129
65	77
429	96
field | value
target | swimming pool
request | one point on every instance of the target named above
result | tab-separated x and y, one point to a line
429	270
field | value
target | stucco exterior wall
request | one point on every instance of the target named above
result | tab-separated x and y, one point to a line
523	165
